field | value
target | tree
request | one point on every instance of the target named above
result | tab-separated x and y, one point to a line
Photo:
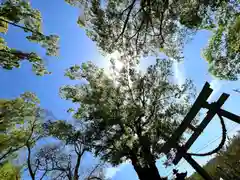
223	50
23	124
18	119
65	161
21	121
57	162
129	114
19	13
135	28
33	133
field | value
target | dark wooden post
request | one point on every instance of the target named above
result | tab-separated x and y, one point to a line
213	109
196	166
210	114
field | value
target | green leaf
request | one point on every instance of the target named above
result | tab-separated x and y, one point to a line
81	22
3	26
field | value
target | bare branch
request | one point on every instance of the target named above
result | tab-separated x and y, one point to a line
37	166
94	169
94	178
236	90
130	7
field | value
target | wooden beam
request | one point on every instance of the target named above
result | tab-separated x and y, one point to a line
193	163
200	101
213	109
197	167
229	115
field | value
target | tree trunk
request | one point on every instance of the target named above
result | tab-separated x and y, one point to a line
75	176
29	162
146	173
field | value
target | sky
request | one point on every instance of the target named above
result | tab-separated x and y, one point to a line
75	47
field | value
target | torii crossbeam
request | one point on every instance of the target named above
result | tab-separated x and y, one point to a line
213	109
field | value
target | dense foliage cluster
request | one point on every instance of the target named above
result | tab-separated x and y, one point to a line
129	114
20	14
23	124
137	28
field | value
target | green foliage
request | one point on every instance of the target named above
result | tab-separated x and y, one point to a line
62	131
20	123
22	126
139	28
225	164
128	112
19	13
9	172
223	50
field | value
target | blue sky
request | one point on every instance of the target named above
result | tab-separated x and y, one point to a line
75	48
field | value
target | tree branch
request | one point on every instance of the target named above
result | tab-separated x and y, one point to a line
44	174
22	27
237	90
130	7
29	162
91	173
75	176
37	166
94	177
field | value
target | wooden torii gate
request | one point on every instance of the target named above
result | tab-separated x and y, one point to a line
213	109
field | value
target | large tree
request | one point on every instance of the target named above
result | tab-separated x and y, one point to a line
129	114
140	27
20	14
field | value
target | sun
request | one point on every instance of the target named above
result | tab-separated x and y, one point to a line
119	64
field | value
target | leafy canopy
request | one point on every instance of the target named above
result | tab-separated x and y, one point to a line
20	121
129	111
134	27
23	124
137	28
223	50
9	172
19	13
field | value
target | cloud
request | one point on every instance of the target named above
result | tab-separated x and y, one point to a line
216	85
111	171
179	75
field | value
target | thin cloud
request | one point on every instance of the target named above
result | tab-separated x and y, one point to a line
216	85
179	75
112	171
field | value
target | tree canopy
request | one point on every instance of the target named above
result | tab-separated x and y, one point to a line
9	172
17	117
137	28
22	125
20	14
129	114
